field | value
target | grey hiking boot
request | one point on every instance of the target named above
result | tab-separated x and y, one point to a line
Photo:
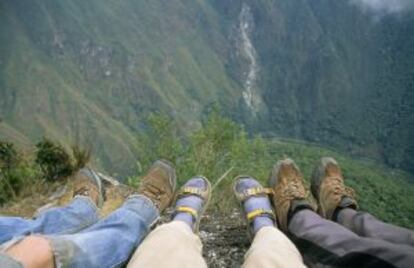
159	184
327	185
88	183
290	193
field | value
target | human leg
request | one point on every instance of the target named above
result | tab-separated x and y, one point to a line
172	245
177	242
77	215
109	242
323	242
24	255
337	203
80	213
366	225
270	247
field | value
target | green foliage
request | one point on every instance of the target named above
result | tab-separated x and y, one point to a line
53	159
8	159
16	173
56	162
221	150
8	155
159	141
209	150
19	174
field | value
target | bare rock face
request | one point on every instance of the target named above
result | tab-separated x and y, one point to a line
225	239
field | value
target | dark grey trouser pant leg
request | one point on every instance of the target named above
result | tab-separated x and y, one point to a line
364	224
325	243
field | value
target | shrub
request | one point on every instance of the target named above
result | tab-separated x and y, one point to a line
56	162
15	172
8	159
18	175
219	149
159	141
53	160
81	157
8	155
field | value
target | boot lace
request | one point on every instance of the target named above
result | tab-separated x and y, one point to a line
154	192
293	190
86	189
336	184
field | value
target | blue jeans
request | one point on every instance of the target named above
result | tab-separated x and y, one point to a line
77	215
107	243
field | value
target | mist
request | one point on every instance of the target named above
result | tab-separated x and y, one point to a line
385	6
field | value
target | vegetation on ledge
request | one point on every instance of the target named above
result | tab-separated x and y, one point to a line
219	150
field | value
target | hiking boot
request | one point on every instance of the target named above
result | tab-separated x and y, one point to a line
88	183
254	204
289	190
159	184
327	185
192	202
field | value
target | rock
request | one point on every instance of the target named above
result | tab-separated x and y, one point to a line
223	236
224	239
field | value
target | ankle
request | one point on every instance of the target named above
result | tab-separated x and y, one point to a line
192	204
262	203
260	222
298	205
346	203
184	217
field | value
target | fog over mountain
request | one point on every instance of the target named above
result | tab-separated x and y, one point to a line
386	6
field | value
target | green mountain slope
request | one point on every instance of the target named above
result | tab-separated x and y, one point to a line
91	72
344	79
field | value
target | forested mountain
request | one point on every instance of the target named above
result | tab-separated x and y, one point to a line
324	71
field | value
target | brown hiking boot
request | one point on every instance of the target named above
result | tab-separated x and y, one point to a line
328	187
159	184
88	183
290	193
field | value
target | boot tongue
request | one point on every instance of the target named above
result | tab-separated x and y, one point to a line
155	193
332	171
87	188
